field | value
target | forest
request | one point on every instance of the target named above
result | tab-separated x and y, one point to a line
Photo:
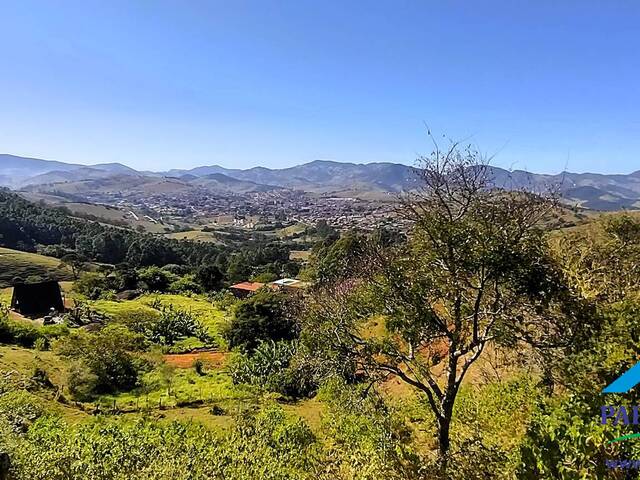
474	346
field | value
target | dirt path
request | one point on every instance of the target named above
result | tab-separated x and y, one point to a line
185	360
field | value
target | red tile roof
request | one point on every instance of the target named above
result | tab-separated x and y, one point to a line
250	286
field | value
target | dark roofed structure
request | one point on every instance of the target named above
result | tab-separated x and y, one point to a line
37	299
244	289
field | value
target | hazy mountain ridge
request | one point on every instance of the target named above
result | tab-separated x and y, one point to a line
588	190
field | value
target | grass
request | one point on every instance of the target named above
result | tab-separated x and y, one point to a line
173	386
302	255
24	360
14	263
195	236
209	314
291	230
214	388
5	295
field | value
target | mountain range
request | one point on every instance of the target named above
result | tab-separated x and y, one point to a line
588	190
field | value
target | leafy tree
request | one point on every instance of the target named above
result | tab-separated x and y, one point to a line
156	279
264	277
108	355
264	316
336	260
602	258
210	277
185	285
92	285
474	271
238	269
75	262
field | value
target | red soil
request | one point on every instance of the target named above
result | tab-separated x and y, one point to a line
185	360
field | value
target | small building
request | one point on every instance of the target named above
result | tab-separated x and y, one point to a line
37	299
245	289
289	284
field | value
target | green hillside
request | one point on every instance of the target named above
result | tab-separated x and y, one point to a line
14	263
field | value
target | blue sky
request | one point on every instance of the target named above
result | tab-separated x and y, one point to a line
155	84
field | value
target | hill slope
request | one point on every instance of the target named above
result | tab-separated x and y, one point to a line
14	263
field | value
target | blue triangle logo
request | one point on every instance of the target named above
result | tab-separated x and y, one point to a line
625	382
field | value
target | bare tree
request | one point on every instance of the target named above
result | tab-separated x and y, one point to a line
475	270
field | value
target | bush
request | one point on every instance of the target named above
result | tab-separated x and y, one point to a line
272	367
18	333
186	284
156	279
107	356
178	270
174	325
91	285
198	366
81	380
41	344
20	409
263	316
266	445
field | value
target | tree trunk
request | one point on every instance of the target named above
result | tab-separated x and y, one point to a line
5	466
444	426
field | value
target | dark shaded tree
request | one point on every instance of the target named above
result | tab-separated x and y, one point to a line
264	316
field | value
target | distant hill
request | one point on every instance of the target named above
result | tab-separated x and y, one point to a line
14	169
17	171
221	183
372	180
60	176
321	176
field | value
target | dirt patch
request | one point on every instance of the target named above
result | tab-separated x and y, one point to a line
185	360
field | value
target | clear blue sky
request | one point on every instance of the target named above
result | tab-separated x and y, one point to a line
158	84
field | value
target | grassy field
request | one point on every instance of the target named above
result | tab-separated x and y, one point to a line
14	263
302	255
23	361
195	236
291	230
208	313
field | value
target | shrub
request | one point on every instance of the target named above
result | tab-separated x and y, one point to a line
198	366
174	325
41	344
18	333
156	279
91	285
263	316
272	366
186	284
107	355
20	409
